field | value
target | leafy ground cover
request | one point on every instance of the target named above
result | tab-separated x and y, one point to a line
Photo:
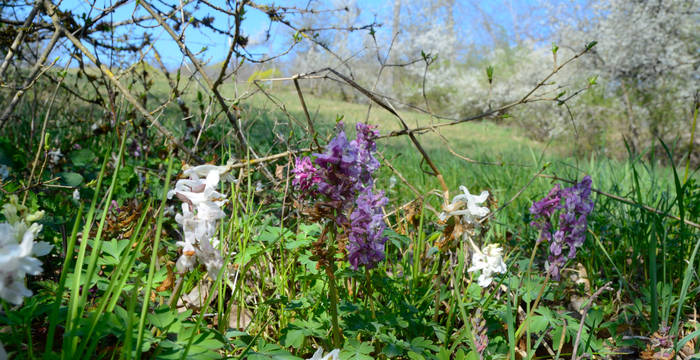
238	261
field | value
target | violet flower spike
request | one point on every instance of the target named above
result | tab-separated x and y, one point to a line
575	205
366	239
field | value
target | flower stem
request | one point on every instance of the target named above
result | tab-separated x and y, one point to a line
368	295
437	285
332	286
523	326
337	336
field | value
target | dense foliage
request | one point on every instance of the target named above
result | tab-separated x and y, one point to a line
197	210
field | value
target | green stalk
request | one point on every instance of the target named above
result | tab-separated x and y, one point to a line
437	282
132	259
131	309
418	251
462	310
97	243
330	269
653	280
53	317
198	324
368	296
154	259
77	272
524	325
117	281
692	142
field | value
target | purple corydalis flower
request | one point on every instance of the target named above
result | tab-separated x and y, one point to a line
365	148
366	239
342	175
305	174
343	169
575	205
114	206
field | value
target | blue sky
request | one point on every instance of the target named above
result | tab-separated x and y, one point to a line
256	24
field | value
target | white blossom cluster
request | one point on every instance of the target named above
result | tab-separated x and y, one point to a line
333	355
472	212
487	260
18	250
646	62
201	211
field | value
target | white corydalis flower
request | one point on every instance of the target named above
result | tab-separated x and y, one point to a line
201	195
333	355
76	195
472	212
55	156
489	261
18	251
201	210
200	171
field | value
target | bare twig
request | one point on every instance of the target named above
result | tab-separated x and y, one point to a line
51	9
267	158
490	215
390	109
311	129
31	78
213	87
593	297
18	39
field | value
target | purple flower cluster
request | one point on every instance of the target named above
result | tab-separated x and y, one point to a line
366	245
575	205
342	175
305	174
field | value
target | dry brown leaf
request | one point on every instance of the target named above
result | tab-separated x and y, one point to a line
239	318
169	280
280	171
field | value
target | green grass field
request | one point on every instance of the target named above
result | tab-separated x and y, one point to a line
120	295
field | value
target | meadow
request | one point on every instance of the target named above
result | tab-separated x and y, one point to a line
279	283
349	180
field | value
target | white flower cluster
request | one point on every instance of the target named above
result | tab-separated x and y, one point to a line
333	355
18	250
201	211
55	156
489	260
473	211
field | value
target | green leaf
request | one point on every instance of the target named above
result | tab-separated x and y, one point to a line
293	338
593	80
443	354
538	323
162	317
71	178
82	157
271	352
305	259
355	350
421	344
391	350
415	356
